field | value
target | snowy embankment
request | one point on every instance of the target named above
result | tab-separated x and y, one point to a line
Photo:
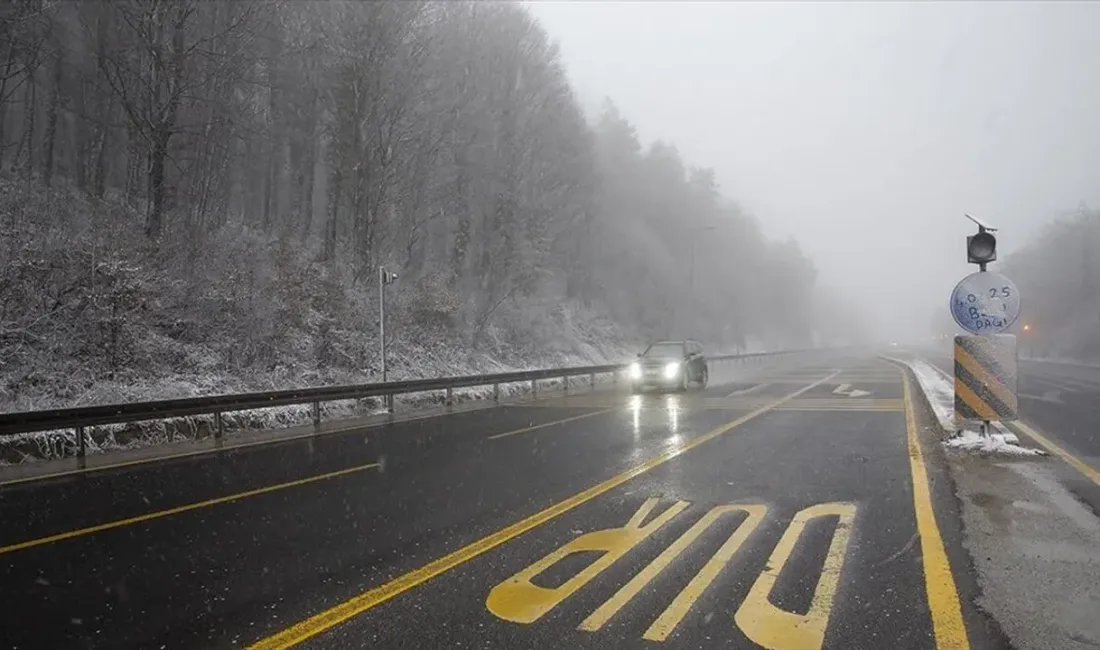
940	391
47	445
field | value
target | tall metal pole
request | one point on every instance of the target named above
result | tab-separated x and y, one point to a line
382	316
691	264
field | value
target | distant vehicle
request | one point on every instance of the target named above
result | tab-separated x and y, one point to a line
669	365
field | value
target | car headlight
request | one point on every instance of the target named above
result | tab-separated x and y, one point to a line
635	371
671	370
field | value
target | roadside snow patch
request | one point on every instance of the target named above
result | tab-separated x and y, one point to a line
994	443
940	392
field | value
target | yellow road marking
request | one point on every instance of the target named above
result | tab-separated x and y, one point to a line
519	600
549	424
1052	447
180	509
612	606
675	612
356	605
774	628
943	595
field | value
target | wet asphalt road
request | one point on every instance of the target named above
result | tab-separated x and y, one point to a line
778	512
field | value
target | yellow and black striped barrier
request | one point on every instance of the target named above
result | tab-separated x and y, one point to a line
985	378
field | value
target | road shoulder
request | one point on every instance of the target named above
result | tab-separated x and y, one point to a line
1024	550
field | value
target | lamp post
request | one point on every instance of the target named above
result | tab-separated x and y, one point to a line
384	278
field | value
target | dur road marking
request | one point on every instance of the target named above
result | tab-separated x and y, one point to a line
180	509
519	600
943	596
356	605
777	629
676	611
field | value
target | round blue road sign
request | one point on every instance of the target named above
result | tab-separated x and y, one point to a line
985	303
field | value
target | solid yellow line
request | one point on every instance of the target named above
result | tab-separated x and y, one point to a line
356	605
943	595
1052	447
549	424
180	509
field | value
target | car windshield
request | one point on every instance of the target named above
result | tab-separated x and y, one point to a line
664	350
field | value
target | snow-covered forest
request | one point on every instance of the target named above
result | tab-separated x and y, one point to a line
1059	278
195	196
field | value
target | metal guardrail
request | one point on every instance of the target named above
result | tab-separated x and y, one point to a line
82	417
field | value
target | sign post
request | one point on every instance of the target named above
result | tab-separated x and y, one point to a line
985	304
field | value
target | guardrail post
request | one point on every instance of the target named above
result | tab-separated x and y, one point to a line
592	380
389	403
496	392
80	449
450	396
534	388
565	384
219	430
316	408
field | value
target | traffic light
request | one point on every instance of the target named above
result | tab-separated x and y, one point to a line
387	277
981	249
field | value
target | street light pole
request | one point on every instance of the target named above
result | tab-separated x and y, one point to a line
691	265
382	317
691	261
384	277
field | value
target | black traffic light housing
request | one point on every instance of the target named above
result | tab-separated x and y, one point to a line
981	249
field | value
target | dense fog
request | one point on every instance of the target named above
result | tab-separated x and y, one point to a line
196	196
865	130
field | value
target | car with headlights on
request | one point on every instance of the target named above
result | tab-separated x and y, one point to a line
669	365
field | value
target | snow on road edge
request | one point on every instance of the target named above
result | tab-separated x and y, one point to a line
939	389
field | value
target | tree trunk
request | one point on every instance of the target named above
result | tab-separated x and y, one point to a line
27	141
135	165
51	123
328	249
155	218
307	175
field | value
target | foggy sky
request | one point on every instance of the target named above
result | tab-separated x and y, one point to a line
865	129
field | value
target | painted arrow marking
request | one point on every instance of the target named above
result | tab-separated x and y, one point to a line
846	389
